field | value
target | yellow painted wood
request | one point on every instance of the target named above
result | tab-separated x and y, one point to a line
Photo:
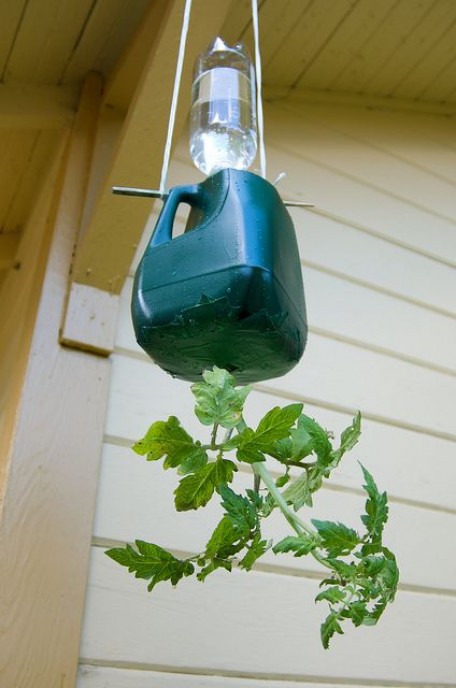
35	36
29	106
442	85
10	19
238	20
306	39
377	47
276	21
8	248
106	33
49	493
123	80
416	49
20	150
29	183
344	43
137	161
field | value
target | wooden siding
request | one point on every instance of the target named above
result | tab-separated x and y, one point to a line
378	257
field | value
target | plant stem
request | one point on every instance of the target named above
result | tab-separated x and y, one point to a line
295	522
214	436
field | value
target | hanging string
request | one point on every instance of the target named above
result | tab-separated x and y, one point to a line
177	82
256	35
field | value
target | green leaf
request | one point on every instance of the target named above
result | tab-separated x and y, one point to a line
168	439
330	626
255	550
193	463
282	480
321	445
225	541
336	537
299	545
151	562
346	571
299	492
348	439
197	489
276	425
240	510
357	612
217	400
213	565
332	595
376	509
302	443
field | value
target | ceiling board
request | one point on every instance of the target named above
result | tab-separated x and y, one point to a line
10	19
309	36
416	48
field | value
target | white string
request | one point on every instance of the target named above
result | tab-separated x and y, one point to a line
258	83
177	81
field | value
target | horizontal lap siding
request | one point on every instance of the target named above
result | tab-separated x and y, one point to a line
376	253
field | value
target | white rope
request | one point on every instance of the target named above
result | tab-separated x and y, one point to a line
258	83
177	81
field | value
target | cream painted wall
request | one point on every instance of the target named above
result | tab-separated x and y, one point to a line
378	254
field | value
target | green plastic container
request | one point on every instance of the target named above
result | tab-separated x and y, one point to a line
227	292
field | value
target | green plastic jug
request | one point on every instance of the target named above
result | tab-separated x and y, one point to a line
228	292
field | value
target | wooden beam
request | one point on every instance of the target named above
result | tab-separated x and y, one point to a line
29	106
116	224
9	243
50	483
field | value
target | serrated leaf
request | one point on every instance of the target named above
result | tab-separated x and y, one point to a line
376	509
239	510
300	545
336	537
151	562
346	571
255	550
193	462
357	612
212	566
276	425
218	401
348	440
332	595
168	439
196	490
301	443
298	493
328	628
225	541
321	445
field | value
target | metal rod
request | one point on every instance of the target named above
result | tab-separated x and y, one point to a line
131	191
155	193
299	204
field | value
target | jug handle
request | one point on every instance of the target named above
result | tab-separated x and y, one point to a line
164	227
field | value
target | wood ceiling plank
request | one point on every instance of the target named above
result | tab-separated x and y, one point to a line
417	47
10	20
28	185
307	38
343	45
108	246
106	34
35	33
443	86
391	32
238	20
276	20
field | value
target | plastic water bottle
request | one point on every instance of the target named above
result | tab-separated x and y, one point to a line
223	113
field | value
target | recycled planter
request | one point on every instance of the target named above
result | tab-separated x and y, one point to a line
227	292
